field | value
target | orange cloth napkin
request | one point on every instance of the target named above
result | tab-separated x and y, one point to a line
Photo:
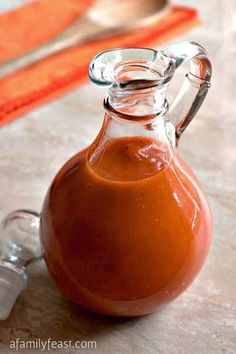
28	26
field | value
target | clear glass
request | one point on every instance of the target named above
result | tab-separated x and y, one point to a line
19	245
125	225
19	241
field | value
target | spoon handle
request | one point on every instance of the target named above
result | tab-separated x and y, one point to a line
80	31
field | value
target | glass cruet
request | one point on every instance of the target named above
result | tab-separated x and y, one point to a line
125	226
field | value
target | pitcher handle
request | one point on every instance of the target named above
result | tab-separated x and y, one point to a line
196	84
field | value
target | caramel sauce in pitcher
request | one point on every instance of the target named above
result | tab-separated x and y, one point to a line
127	232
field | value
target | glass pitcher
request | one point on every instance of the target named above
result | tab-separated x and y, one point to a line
125	225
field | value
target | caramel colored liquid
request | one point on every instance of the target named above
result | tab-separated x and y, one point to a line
128	232
131	159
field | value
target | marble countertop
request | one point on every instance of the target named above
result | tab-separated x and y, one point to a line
32	148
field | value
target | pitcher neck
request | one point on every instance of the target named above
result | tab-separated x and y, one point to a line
139	103
116	125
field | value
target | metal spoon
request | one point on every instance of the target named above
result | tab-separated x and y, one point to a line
103	19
